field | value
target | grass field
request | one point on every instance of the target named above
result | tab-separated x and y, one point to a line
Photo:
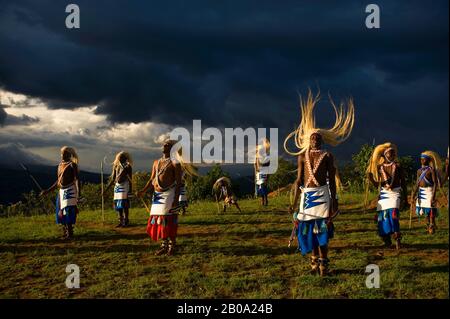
227	255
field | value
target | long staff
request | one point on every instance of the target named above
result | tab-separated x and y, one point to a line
142	200
411	208
34	180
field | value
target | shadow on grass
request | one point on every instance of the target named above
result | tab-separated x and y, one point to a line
357	230
424	246
144	247
241	251
89	236
229	222
80	238
429	270
69	246
347	271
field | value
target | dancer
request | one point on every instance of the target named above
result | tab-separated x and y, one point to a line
262	179
222	191
183	200
316	180
165	183
69	191
386	174
424	192
121	177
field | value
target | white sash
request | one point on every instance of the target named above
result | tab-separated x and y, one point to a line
162	202
389	199
424	197
68	196
314	203
121	190
261	178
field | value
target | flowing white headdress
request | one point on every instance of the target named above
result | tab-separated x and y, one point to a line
333	136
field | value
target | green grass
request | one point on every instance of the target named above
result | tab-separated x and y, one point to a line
227	255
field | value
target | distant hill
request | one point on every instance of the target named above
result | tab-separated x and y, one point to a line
14	181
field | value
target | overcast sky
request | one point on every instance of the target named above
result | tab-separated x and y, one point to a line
136	69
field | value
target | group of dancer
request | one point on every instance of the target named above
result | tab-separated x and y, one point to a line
315	191
317	184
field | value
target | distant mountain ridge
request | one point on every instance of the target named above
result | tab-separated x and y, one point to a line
15	181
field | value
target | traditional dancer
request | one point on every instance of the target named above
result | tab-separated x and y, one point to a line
121	177
386	174
316	180
183	200
223	191
424	193
69	191
165	182
262	179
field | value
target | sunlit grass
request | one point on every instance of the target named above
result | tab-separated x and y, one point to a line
220	255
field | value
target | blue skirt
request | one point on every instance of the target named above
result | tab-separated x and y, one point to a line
308	240
388	222
427	211
120	204
67	215
262	190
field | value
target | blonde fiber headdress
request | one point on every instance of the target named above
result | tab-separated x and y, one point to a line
435	162
72	152
127	156
333	136
377	158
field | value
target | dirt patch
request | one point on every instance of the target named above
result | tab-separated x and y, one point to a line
21	259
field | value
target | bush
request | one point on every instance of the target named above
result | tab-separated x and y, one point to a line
31	205
285	174
353	174
200	187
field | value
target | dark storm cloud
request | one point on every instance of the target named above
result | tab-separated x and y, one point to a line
234	63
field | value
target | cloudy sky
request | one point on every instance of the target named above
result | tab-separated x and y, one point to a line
136	69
